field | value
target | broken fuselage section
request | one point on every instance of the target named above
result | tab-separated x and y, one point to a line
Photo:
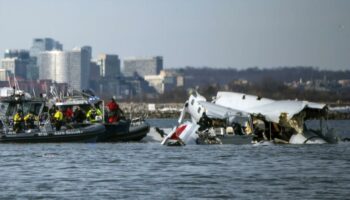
210	124
282	121
236	118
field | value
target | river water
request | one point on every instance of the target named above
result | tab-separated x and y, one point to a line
152	171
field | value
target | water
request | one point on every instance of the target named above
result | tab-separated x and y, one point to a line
151	171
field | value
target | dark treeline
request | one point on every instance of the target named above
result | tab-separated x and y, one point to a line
204	76
267	83
267	88
270	88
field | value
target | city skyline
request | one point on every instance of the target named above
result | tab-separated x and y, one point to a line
225	33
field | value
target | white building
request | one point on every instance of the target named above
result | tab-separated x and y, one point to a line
165	81
4	74
72	67
9	64
44	44
17	62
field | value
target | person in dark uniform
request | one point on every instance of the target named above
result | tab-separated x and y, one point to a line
79	115
52	111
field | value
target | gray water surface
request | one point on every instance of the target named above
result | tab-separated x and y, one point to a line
152	171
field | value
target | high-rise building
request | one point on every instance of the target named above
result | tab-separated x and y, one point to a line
109	65
4	75
143	66
72	67
10	65
40	45
94	71
44	44
16	62
80	67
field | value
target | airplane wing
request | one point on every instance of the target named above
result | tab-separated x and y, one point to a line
274	110
269	108
221	112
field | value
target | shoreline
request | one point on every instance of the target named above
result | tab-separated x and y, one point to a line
173	110
151	110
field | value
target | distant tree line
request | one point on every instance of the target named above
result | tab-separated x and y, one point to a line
267	83
205	76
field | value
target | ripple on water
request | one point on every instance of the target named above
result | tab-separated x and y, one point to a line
152	171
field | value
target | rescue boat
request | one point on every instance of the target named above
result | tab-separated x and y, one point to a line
42	130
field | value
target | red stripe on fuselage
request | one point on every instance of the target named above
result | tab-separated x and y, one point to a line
178	132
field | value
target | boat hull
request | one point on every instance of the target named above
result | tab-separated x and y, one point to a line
88	133
124	131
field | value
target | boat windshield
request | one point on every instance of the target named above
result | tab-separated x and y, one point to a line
33	107
26	107
3	108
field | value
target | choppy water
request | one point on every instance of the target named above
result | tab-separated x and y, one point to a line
151	171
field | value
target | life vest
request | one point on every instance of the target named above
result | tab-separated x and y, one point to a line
112	106
58	115
69	113
29	117
93	113
17	118
112	119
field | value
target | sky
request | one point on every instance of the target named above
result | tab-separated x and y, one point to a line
213	33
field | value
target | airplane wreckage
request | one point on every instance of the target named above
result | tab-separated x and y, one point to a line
237	118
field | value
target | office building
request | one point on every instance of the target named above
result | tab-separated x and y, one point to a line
165	81
143	66
40	45
109	65
16	62
44	44
4	75
94	71
72	67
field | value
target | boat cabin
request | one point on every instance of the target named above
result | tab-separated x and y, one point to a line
10	105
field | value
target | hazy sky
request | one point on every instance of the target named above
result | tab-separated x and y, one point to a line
218	33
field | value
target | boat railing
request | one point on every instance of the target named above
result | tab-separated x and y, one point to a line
137	121
6	127
46	126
